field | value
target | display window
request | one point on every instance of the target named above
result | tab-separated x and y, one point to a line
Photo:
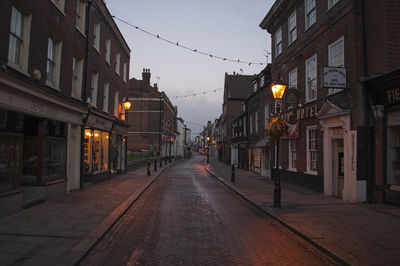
393	156
10	161
96	149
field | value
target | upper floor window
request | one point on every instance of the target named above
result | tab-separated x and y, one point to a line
293	78
77	70
312	150
80	15
256	122
60	4
116	103
310	13
106	94
117	63
292	28
331	3
18	46
125	74
53	63
266	115
96	41
251	124
255	86
278	42
311	78
94	88
336	53
108	51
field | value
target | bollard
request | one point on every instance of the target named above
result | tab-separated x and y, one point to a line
233	174
160	162
148	167
155	165
166	160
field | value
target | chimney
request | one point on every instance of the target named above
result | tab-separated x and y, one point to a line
146	76
234	73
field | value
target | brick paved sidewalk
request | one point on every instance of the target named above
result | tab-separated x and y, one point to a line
61	231
359	234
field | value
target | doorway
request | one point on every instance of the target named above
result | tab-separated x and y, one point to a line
337	168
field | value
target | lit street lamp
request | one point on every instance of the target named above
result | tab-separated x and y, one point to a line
208	149
278	89
171	141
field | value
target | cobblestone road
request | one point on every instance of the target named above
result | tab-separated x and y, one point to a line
188	218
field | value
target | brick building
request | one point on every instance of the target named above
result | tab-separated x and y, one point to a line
322	49
236	89
44	80
152	118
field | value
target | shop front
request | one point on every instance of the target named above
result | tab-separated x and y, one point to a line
39	144
118	148
96	148
385	108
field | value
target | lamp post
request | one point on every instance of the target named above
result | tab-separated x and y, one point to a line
171	140
208	149
127	105
278	89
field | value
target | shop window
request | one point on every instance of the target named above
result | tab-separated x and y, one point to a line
393	156
95	151
104	150
87	151
292	154
10	161
257	157
54	159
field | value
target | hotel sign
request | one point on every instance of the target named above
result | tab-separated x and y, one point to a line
334	77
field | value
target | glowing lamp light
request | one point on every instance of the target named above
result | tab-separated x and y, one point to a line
208	139
127	105
278	89
96	135
88	134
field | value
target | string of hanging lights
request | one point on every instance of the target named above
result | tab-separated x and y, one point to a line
186	47
196	94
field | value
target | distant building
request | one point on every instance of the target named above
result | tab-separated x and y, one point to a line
152	118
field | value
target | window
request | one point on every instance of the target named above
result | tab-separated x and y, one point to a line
18	47
256	122
336	53
106	96
244	127
53	63
80	15
60	4
266	113
94	88
310	13
262	81
108	51
255	86
96	41
125	72
251	124
312	149
117	63
278	42
331	3
116	102
77	68
293	78
292	154
311	78
292	28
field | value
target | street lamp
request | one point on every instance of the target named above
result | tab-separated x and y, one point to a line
208	149
127	105
171	140
278	89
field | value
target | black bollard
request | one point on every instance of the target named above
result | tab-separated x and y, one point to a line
160	163
148	168
233	174
166	160
155	165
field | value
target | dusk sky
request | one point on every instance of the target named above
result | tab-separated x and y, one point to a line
226	28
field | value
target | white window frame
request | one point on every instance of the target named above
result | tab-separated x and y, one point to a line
311	77
108	51
80	16
116	103
278	42
310	12
125	72
293	78
332	3
96	39
292	28
336	64
292	155
117	63
262	81
106	95
19	38
77	73
312	151
60	4
94	88
54	52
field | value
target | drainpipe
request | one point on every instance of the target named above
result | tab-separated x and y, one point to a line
369	140
83	93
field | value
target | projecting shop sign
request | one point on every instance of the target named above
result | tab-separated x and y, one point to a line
334	77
